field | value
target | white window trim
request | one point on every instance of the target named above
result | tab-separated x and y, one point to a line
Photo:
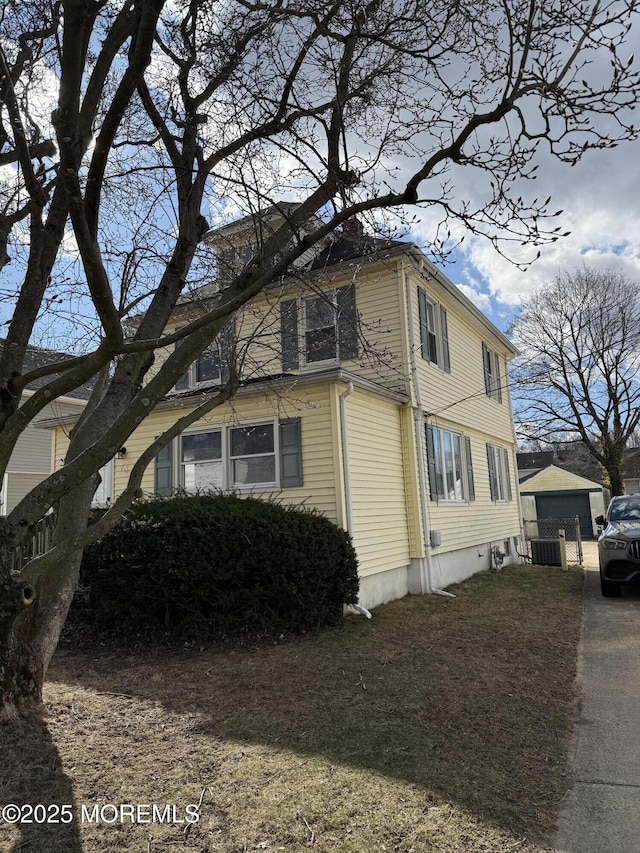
208	383
436	332
226	459
464	500
501	474
441	364
330	296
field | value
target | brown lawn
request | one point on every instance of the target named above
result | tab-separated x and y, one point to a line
439	725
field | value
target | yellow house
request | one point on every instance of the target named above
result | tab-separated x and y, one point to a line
372	390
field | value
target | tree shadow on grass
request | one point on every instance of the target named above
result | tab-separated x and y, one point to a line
470	699
31	774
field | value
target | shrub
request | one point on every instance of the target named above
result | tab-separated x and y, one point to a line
213	565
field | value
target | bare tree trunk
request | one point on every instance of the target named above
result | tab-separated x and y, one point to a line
20	670
39	627
616	481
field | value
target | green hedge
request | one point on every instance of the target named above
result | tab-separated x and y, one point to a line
213	566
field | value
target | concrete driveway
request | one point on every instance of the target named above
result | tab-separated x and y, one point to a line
601	813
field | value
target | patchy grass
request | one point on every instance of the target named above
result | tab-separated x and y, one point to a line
440	725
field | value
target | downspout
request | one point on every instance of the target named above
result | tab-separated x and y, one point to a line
345	456
426	565
346	472
514	459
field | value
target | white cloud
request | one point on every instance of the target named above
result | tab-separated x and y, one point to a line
600	200
480	300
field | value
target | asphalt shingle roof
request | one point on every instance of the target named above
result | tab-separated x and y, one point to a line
39	357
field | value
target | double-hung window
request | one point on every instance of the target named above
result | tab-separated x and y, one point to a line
212	366
231	260
492	373
434	331
499	473
228	458
450	465
252	456
201	465
319	329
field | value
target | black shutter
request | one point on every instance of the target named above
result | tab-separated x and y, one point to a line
507	474
498	380
226	341
424	324
290	453
163	473
347	322
431	464
289	334
486	368
183	382
471	489
226	262
446	363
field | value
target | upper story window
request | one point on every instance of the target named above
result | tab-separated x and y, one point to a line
212	366
231	260
450	465
434	331
499	473
319	329
492	373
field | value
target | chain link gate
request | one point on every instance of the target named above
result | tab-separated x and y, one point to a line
547	528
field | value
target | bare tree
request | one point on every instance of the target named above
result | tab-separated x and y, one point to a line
125	126
578	375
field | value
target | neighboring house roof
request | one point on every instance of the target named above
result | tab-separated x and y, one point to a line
579	461
525	473
39	357
553	475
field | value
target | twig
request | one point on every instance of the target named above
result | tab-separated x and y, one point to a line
187	828
312	839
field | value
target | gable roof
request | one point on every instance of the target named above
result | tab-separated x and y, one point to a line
39	357
574	481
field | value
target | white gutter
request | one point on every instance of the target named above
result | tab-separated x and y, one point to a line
426	564
345	456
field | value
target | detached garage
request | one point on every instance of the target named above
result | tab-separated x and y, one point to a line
553	492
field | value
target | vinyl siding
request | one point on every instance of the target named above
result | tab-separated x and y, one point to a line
482	520
379	305
380	518
461	393
313	407
18	486
33	451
